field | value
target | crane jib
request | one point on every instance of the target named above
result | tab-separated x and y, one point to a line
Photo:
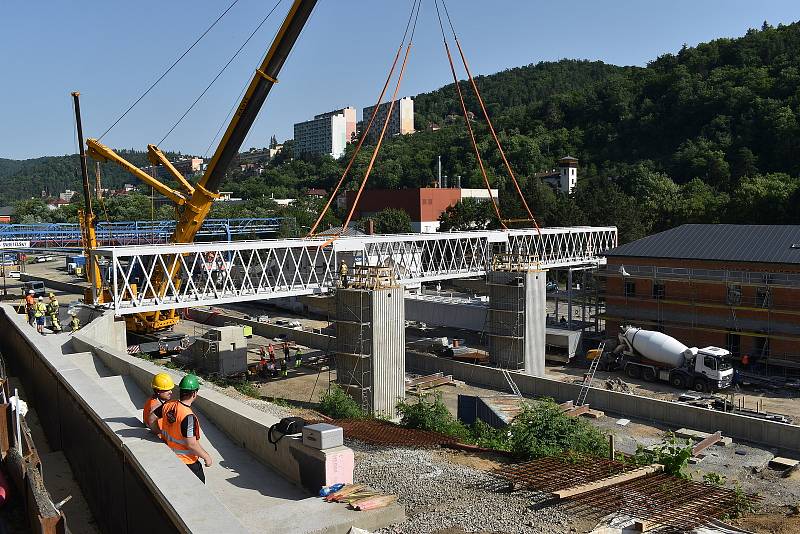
264	78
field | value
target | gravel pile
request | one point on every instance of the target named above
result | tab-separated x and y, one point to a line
438	495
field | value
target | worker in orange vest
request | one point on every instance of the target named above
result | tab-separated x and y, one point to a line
745	360
180	427
30	307
162	392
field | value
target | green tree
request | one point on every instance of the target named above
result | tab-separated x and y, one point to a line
392	221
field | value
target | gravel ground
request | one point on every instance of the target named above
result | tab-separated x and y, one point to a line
440	495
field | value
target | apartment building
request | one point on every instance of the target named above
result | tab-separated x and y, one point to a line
401	121
326	133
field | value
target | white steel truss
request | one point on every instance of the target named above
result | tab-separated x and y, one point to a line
207	274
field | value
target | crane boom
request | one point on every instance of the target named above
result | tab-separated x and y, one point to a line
192	211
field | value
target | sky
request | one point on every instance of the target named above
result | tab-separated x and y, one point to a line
112	51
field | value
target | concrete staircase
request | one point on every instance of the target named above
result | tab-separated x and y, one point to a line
261	499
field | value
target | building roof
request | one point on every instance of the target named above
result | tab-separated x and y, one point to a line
757	243
6	210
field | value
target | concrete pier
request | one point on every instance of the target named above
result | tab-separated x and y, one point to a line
370	346
516	319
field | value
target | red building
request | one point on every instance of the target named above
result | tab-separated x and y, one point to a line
732	286
424	205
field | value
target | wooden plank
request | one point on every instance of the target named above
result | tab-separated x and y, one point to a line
706	443
608	481
445	380
566	406
423	379
575	412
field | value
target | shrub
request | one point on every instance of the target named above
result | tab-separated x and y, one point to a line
430	413
337	404
542	429
673	454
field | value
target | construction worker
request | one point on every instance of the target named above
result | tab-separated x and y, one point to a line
162	385
343	274
271	352
74	322
52	313
285	367
30	307
40	309
298	359
180	428
745	360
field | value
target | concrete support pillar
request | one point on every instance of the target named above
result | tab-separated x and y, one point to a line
370	347
516	319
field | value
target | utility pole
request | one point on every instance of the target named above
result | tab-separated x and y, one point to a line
92	271
439	181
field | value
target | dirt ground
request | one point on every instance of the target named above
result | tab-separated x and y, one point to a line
784	402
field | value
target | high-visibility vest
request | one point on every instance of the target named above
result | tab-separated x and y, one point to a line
151	404
52	307
173	414
30	302
40	309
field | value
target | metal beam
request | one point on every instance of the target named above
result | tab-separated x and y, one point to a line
218	273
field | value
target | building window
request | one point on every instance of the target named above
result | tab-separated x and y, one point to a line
658	290
763	297
630	288
734	295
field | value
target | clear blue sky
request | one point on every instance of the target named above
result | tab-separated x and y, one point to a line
111	51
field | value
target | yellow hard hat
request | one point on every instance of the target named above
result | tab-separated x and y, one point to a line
163	382
51	295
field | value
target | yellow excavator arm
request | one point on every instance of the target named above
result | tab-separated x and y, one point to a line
195	202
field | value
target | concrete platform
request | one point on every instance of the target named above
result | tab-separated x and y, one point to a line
261	499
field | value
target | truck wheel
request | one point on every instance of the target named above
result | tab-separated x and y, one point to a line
649	374
633	371
700	386
677	381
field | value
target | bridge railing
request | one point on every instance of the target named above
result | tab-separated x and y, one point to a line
217	273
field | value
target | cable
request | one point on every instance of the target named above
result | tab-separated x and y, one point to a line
369	124
466	120
488	120
221	71
385	123
170	68
227	118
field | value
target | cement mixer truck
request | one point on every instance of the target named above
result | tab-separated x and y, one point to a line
656	356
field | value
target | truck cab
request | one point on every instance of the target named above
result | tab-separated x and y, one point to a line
712	363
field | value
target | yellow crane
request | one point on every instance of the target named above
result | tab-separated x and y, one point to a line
194	201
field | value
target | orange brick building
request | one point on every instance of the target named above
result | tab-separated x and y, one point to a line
732	286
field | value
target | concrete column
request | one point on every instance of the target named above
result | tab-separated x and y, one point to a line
370	347
516	319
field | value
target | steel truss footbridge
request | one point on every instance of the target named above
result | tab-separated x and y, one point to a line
122	233
207	274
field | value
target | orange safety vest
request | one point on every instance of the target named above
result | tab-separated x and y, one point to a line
151	404
30	301
173	414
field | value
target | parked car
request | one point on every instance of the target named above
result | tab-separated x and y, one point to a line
551	286
39	290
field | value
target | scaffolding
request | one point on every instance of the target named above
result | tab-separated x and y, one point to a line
354	332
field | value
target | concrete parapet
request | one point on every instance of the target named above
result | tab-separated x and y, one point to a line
760	431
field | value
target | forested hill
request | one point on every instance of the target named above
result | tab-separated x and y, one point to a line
20	179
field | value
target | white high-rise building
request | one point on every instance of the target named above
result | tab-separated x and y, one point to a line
324	134
400	123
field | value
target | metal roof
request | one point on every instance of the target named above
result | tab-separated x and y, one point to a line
757	243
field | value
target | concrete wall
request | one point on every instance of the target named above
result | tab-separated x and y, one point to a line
140	487
388	350
268	330
740	427
453	314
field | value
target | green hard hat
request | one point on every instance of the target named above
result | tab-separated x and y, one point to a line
189	383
